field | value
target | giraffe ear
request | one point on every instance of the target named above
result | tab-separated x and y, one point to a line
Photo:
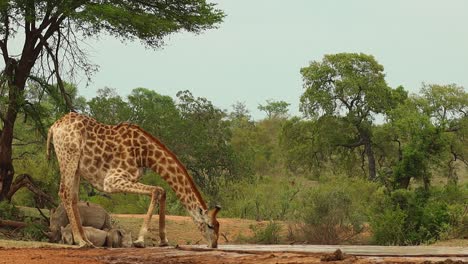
215	211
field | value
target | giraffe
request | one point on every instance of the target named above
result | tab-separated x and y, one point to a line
112	159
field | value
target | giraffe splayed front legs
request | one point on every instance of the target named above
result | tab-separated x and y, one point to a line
117	182
112	158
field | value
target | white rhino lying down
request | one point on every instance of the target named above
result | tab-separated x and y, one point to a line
91	215
117	238
113	238
96	236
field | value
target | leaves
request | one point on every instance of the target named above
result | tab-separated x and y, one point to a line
148	21
275	109
345	84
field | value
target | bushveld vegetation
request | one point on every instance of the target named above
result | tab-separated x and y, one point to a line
362	154
362	157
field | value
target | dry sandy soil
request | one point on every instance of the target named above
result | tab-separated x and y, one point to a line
191	255
181	232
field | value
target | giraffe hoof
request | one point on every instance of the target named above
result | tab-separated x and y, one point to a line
164	243
86	245
139	244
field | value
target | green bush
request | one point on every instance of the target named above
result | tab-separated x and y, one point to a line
413	217
270	234
260	199
9	211
335	211
34	230
387	227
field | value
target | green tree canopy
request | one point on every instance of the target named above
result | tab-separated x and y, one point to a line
430	131
350	87
275	109
51	36
157	114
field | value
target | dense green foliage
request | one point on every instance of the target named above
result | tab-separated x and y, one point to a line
270	234
313	172
414	217
336	210
50	35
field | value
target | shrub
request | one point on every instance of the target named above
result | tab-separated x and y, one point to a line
260	199
270	234
9	211
415	217
387	227
335	211
34	230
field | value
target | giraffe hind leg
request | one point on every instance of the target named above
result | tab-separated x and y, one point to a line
117	182
69	188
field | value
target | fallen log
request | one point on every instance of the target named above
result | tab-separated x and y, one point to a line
11	223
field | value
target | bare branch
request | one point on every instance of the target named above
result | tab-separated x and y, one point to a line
26	144
25	180
4	42
56	70
358	143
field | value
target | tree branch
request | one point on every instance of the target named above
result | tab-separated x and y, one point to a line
353	145
452	129
60	84
4	42
25	180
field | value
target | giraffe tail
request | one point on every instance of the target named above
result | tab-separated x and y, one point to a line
49	141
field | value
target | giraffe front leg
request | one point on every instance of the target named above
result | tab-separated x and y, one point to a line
162	220
156	194
118	182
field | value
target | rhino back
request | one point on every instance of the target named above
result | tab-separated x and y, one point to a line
96	236
94	215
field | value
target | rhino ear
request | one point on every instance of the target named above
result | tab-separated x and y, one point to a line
52	211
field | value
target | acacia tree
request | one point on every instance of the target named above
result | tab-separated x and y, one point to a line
275	109
430	131
350	87
50	33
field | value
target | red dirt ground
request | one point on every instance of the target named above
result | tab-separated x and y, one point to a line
182	231
177	256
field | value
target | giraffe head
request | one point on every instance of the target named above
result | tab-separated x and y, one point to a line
210	226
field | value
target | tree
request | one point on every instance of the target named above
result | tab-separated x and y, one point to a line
430	130
239	112
204	142
108	107
51	37
275	109
243	130
155	113
350	87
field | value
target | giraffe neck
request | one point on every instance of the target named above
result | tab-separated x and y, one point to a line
183	186
162	161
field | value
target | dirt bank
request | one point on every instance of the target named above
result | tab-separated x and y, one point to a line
190	255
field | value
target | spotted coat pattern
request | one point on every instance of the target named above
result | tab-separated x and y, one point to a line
112	159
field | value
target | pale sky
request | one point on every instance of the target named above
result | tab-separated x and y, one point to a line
257	52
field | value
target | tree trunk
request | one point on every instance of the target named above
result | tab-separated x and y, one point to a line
6	138
16	74
403	182
370	158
